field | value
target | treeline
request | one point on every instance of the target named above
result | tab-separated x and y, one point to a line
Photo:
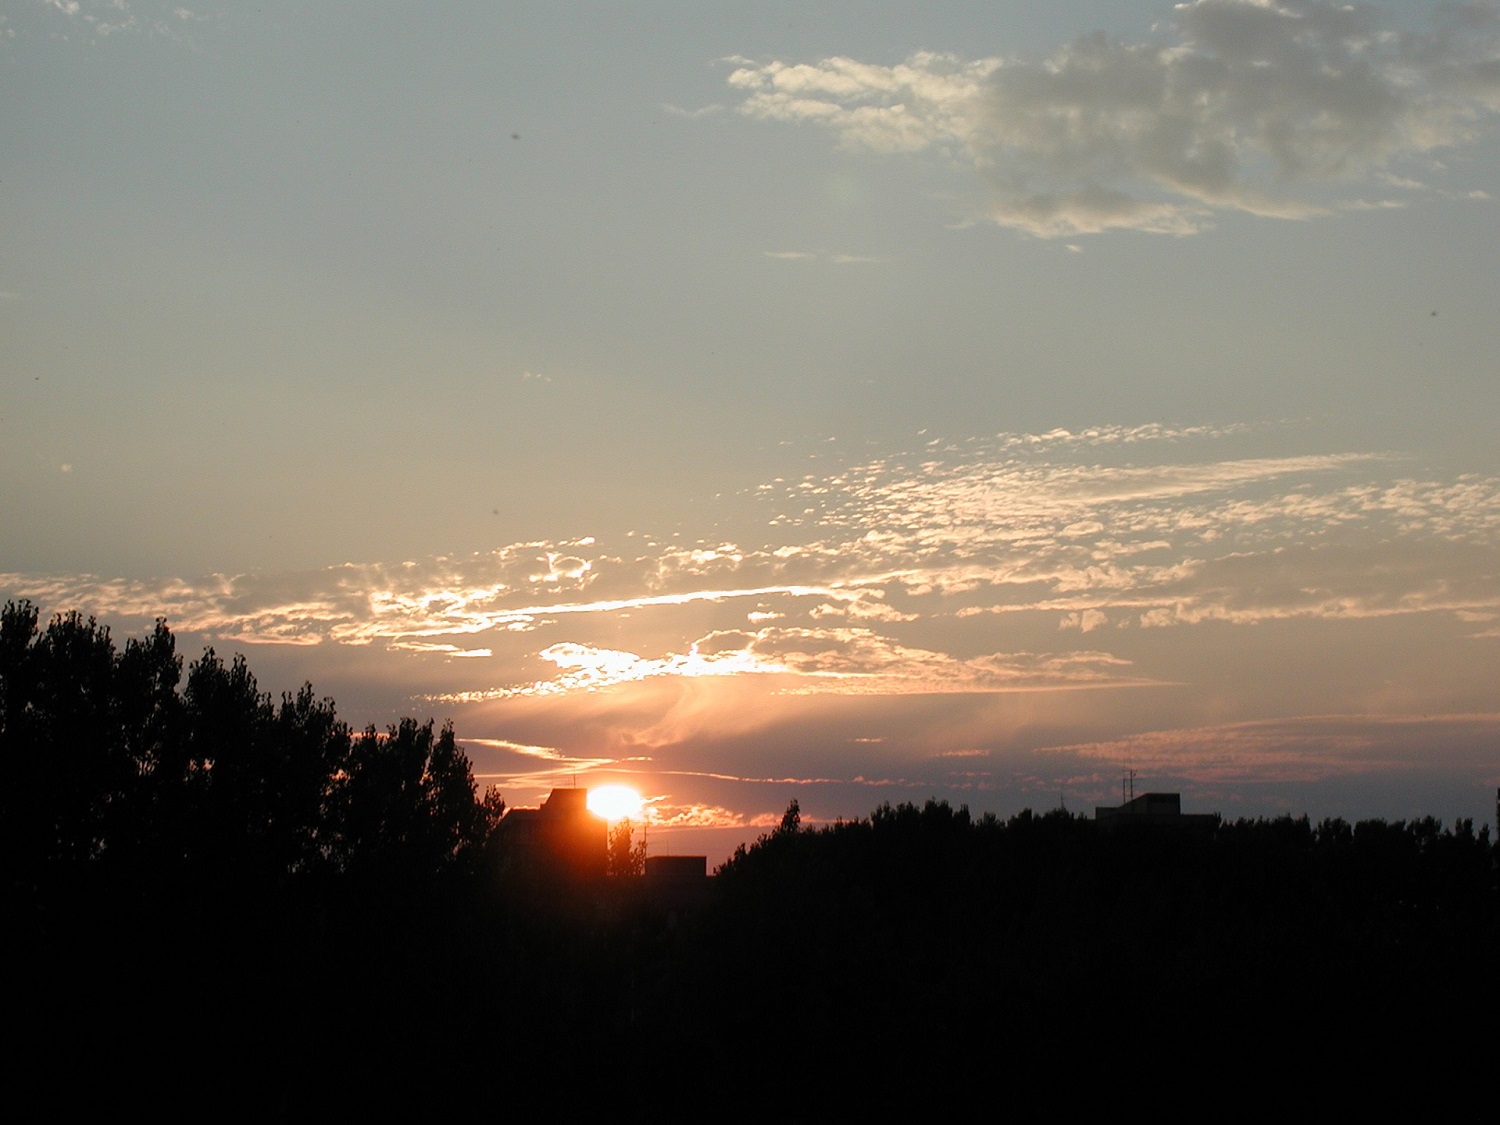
943	943
214	901
114	767
225	901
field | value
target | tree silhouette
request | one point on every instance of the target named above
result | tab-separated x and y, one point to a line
406	803
791	820
623	857
76	735
104	764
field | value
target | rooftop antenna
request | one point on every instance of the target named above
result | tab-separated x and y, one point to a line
1129	779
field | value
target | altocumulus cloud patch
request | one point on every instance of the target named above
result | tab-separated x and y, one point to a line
1234	105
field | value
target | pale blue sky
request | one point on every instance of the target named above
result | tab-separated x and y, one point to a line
285	287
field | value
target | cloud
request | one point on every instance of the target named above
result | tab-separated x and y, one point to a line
1300	748
509	764
862	605
959	567
1110	435
453	651
105	18
936	615
1330	583
841	661
1237	105
662	815
1085	621
691	114
822	256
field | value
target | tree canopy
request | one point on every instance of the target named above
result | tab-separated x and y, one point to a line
107	763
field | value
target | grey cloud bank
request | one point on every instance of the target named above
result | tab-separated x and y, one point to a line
1240	105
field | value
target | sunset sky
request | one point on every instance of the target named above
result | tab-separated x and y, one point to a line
848	402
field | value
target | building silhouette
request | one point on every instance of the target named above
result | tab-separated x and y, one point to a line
1155	809
562	835
563	839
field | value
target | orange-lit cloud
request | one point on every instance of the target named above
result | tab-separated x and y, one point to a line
967	567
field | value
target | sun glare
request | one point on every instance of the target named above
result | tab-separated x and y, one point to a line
615	802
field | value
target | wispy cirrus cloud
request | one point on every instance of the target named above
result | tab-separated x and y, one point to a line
514	589
1235	105
889	575
837	259
1298	748
842	661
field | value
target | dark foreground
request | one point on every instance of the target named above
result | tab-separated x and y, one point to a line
916	955
218	905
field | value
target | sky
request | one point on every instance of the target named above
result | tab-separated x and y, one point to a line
840	402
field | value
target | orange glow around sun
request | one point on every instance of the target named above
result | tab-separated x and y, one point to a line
615	802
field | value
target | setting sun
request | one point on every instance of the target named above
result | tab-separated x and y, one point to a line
615	802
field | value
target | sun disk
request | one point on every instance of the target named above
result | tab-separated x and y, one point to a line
615	802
